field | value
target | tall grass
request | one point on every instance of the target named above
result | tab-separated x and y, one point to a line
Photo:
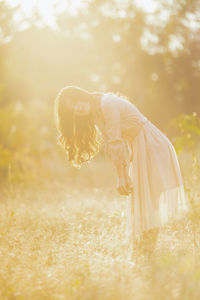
61	243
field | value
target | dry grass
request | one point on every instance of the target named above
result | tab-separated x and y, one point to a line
62	244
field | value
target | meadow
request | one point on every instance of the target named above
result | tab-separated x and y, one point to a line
64	242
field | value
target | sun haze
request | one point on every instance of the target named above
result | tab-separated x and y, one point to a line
47	9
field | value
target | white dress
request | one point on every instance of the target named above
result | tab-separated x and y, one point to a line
153	165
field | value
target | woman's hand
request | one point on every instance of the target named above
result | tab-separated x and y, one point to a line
125	185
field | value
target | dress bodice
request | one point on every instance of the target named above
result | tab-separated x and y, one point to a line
119	122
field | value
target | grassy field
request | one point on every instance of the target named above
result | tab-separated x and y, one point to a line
57	243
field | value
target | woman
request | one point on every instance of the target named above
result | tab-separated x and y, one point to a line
145	160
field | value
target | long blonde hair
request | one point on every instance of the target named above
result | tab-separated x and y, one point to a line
78	135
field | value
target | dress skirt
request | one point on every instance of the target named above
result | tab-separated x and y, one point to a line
158	191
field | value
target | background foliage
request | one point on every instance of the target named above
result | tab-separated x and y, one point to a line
153	58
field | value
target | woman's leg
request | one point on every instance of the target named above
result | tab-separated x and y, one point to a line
148	242
145	246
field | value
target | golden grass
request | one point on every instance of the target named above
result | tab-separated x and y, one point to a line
57	243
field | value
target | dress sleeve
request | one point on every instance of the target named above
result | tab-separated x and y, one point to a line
114	143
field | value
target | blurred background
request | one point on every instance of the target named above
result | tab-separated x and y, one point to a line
148	50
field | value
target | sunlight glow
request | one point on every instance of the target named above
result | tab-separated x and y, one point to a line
147	5
47	9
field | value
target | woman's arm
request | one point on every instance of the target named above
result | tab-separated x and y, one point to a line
115	145
125	184
117	152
